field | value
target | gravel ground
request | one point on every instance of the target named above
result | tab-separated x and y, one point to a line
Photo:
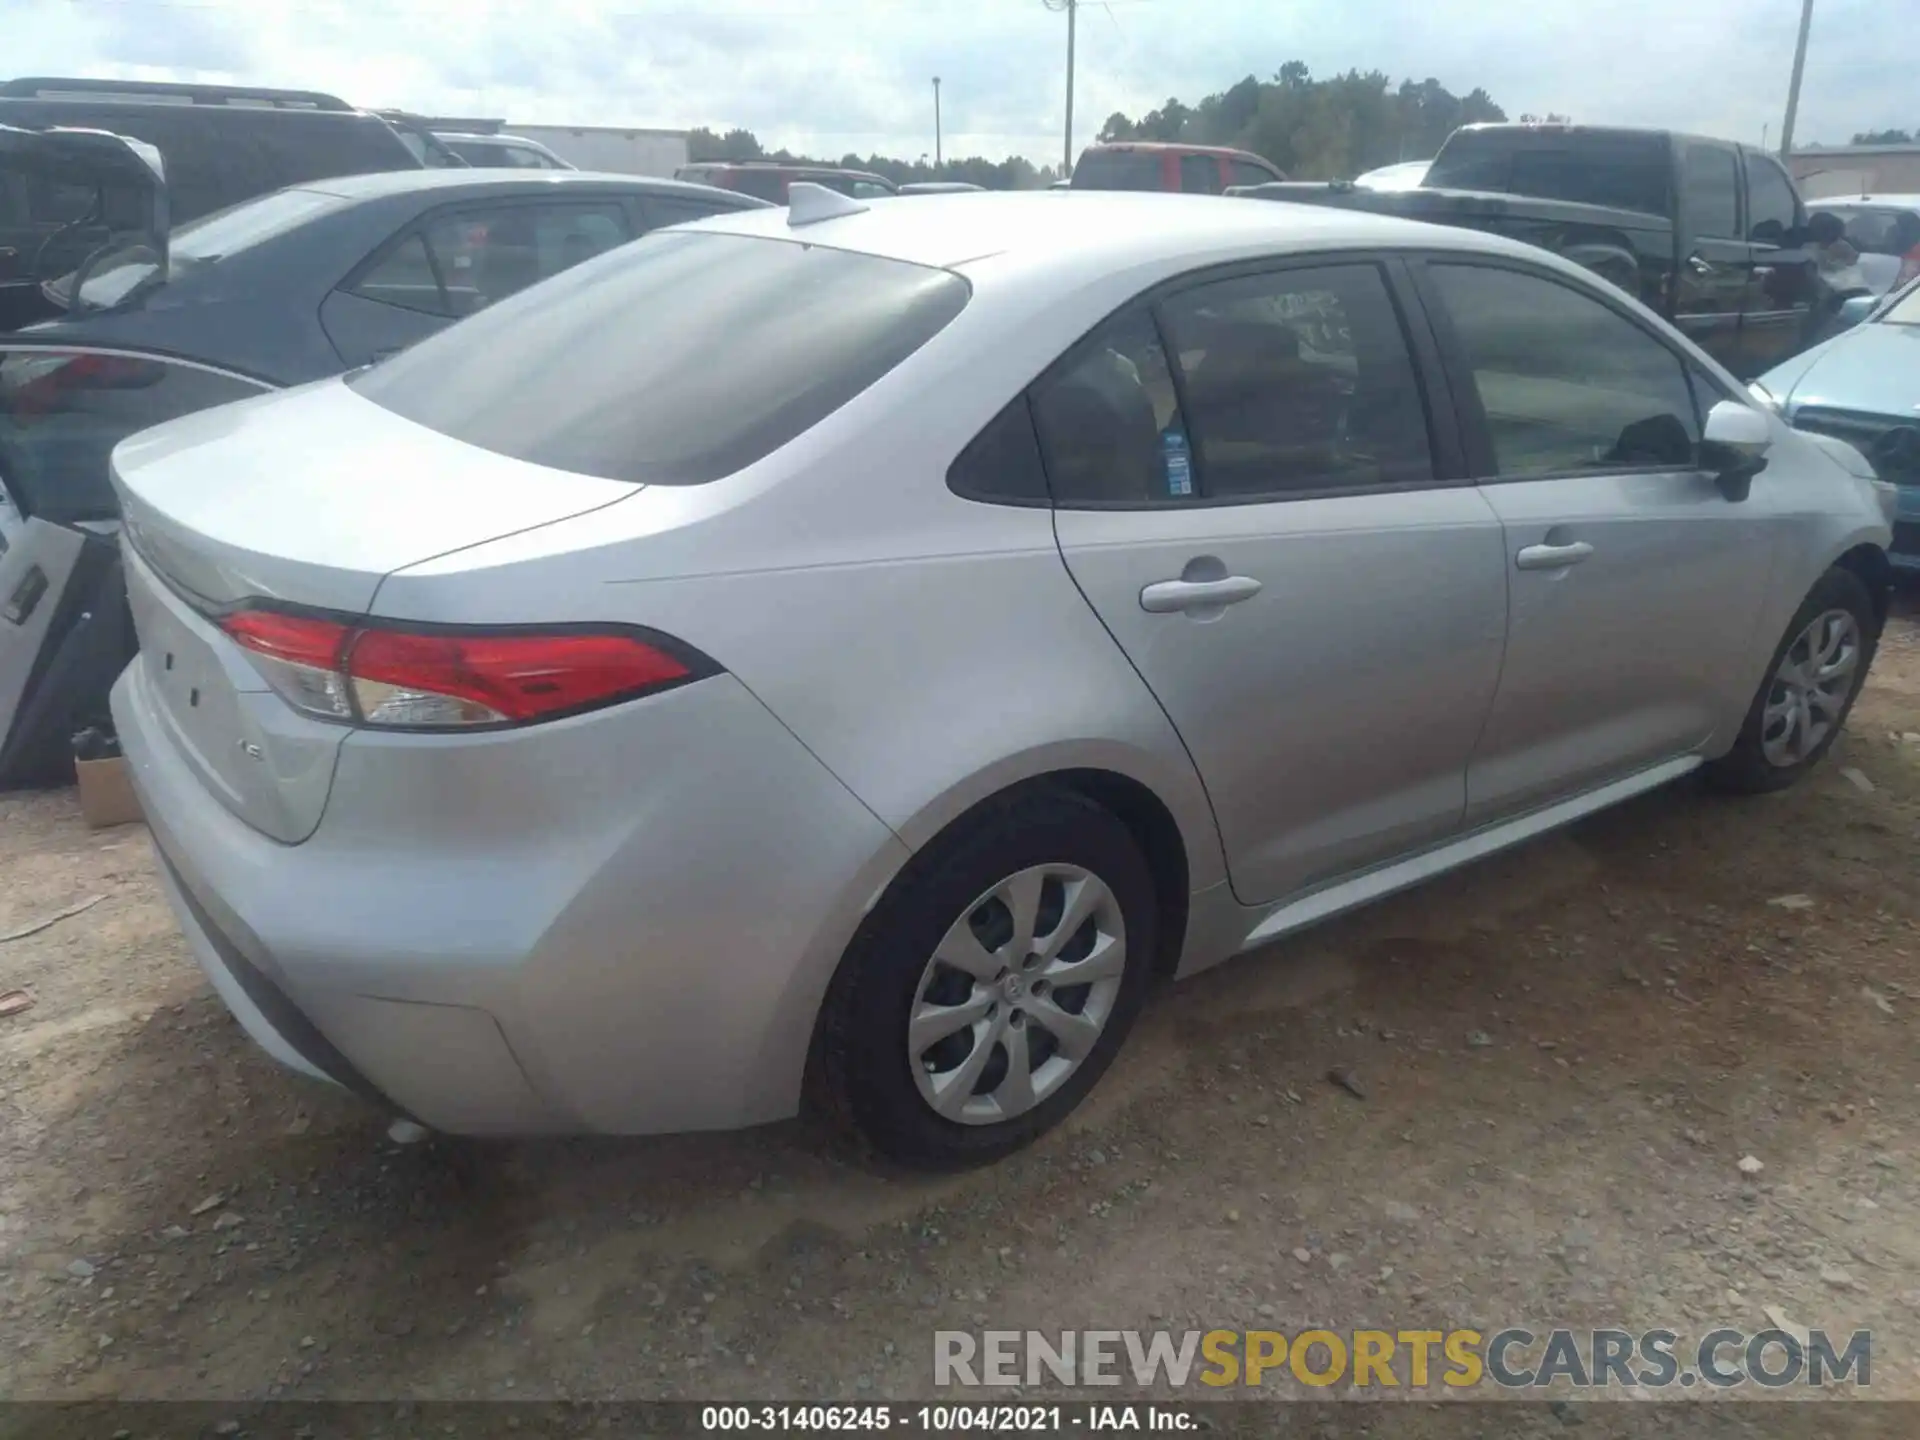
1565	1053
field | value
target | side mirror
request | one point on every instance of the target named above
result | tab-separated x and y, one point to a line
1734	445
1853	310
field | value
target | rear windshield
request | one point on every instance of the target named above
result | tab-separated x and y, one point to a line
1877	231
675	360
1117	170
121	272
1626	172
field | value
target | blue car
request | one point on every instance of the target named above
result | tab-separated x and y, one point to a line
1863	386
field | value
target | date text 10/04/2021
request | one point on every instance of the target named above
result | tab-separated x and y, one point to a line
946	1419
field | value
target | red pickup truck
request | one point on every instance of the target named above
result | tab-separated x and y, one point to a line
1146	165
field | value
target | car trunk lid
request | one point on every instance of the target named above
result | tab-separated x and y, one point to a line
305	500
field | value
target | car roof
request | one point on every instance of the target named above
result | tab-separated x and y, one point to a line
1067	229
382	184
1855	202
1178	145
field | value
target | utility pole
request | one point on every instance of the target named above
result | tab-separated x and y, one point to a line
936	122
1793	86
1073	7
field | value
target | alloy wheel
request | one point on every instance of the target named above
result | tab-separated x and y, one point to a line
1810	688
1017	994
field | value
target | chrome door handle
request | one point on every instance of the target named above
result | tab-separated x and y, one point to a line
1552	557
1165	596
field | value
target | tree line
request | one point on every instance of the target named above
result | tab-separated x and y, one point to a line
1312	129
1317	129
1016	173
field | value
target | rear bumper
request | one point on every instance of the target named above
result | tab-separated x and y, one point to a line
620	923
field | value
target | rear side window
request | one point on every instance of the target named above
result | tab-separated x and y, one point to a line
1110	423
746	343
63	411
761	184
1710	183
467	260
1003	463
1199	175
1117	170
1627	172
1299	380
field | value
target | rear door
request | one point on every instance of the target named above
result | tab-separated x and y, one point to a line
461	259
1635	585
1710	287
1248	490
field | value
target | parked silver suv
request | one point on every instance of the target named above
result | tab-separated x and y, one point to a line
934	621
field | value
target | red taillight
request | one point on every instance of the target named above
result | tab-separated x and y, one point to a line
293	639
517	677
452	677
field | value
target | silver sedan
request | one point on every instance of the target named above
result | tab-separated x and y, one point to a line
848	652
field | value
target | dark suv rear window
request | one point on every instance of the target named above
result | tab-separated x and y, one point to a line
675	360
1118	170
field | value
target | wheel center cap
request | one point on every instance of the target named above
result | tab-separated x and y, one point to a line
1014	987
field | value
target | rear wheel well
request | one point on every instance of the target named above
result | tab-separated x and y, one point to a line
1875	571
1158	836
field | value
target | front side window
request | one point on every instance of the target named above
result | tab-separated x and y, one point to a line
1566	382
1771	207
63	411
748	341
1199	175
1245	172
1710	184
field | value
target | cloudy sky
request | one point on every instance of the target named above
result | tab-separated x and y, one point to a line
828	76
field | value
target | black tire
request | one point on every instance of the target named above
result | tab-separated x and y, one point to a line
1745	769
862	1069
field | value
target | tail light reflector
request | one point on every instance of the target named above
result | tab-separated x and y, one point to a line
454	677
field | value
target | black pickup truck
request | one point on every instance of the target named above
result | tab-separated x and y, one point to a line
1710	234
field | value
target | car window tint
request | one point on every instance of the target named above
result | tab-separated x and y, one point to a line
1003	462
672	209
1109	419
1246	173
1199	175
1710	184
748	342
1298	380
63	411
1567	383
485	255
1596	168
1771	209
761	184
406	278
1117	170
